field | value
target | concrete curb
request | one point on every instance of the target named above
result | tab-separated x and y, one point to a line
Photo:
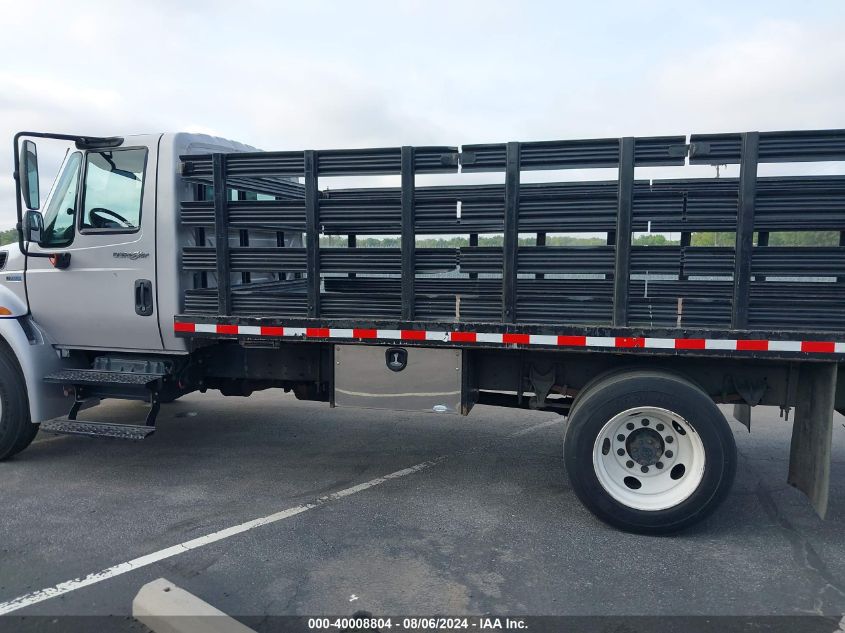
165	608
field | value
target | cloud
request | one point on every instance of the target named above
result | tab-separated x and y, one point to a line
782	75
21	92
45	103
297	75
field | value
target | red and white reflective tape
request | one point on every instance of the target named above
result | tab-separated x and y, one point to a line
514	338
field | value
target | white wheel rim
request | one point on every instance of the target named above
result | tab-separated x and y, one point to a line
661	462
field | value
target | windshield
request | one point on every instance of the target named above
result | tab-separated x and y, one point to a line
61	211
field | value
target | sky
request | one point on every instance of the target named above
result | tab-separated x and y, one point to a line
313	75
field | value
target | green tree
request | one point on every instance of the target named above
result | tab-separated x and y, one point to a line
9	236
653	239
781	238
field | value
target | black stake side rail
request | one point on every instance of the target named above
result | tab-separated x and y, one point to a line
798	261
792	203
409	256
267	171
221	232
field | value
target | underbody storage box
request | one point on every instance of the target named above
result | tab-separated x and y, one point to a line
398	378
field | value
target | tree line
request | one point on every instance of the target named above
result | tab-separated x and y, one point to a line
788	238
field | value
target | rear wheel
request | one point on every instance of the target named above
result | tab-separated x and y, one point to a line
649	452
16	430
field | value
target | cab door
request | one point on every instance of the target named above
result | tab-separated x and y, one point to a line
100	221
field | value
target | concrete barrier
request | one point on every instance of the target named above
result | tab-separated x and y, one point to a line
165	608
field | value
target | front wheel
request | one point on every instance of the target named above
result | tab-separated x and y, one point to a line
649	452
16	430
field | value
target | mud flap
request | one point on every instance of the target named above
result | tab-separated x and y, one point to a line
812	433
742	414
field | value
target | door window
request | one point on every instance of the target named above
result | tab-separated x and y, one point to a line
61	210
114	182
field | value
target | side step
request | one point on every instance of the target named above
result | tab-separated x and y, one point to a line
99	378
66	426
111	378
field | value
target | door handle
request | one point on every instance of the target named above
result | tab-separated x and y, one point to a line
143	297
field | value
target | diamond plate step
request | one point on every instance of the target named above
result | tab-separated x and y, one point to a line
65	426
97	377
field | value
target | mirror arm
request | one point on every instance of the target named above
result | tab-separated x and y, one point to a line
17	178
16	175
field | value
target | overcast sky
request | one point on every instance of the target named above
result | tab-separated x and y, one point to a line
298	75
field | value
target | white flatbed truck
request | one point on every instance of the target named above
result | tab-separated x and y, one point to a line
163	264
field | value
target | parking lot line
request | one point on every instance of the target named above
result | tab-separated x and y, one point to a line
43	439
68	586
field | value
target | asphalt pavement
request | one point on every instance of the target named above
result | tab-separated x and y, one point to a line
391	513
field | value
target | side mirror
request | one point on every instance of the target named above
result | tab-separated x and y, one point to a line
33	226
28	174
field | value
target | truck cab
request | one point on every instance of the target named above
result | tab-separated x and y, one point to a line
105	273
96	269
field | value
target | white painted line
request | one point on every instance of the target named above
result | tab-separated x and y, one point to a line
144	561
537	427
43	439
62	588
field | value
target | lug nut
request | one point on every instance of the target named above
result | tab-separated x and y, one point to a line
630	426
629	464
659	465
669	453
645	422
620	437
670	439
620	452
644	469
660	427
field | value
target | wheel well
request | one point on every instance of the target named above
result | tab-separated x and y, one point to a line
629	370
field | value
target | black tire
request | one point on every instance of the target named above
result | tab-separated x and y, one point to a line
16	429
592	382
26	438
621	392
